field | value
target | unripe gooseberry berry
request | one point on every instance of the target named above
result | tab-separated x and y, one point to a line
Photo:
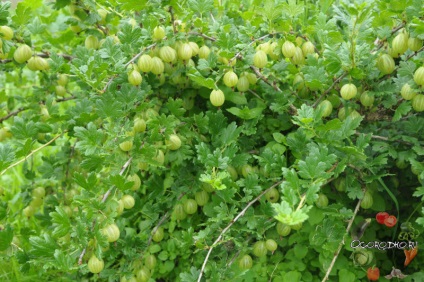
111	232
348	91
367	100
157	66
167	54
204	52
415	44
400	43
174	142
126	146
230	79
217	98
243	84
385	64
260	59
419	76
308	48
326	107
288	49
128	201
407	92
37	63
22	54
190	206
95	265
6	32
144	63
134	78
185	52
158	33
418	103
91	42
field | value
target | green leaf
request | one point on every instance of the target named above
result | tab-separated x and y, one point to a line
61	222
200	6
4	12
195	76
7	156
6	237
285	213
236	98
36	27
23	129
403	109
22	14
90	139
229	134
85	182
43	246
317	162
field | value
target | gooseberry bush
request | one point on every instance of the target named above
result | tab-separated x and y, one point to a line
210	140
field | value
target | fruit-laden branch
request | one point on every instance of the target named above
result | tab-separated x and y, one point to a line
381	42
30	154
42	55
21	109
162	220
127	64
273	85
238	55
231	224
349	226
105	196
343	75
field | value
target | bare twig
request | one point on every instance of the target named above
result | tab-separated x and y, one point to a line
343	75
256	94
47	55
349	226
231	224
30	154
386	138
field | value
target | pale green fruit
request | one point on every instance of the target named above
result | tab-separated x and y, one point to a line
204	52
145	63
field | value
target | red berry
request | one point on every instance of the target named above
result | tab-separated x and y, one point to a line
373	273
390	221
381	217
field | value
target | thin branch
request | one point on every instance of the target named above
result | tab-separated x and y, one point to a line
203	35
255	94
238	55
14	113
46	54
273	85
124	167
343	75
162	220
105	196
231	224
381	42
127	64
349	226
171	11
30	154
21	109
385	138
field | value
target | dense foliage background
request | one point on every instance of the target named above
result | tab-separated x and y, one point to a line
254	142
